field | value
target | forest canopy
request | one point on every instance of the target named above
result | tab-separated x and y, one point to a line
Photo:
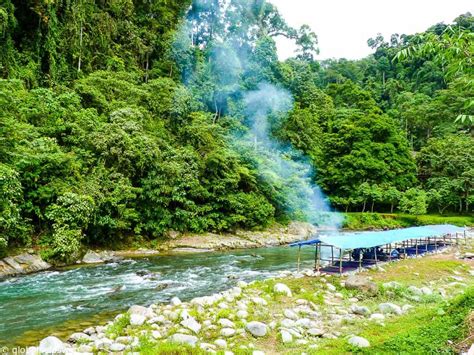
115	122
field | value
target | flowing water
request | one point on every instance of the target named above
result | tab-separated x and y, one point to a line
62	302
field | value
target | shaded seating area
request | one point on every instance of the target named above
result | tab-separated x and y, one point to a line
345	252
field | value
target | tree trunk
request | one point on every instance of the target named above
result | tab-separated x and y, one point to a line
372	207
391	207
363	208
79	62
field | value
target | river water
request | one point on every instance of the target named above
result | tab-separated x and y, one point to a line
65	301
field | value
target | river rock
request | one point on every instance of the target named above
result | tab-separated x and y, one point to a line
359	342
392	285
414	290
242	314
280	288
116	347
259	301
221	343
257	329
191	324
92	257
175	301
288	313
387	308
287	323
357	282
286	337
183	339
143	311
51	345
377	317
22	264
137	319
407	308
426	291
227	332
361	310
315	332
226	323
75	337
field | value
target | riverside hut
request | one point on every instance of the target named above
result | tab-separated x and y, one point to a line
345	252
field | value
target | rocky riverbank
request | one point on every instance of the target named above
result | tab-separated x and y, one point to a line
298	312
278	235
25	263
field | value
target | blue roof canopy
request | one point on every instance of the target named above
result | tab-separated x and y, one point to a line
356	240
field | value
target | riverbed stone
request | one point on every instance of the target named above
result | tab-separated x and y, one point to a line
75	337
287	323
221	343
361	283
315	332
257	329
116	347
377	317
288	313
175	301
426	291
414	290
183	339
227	332
286	336
137	319
144	311
242	314
360	310
283	289
359	342
51	345
191	324
226	323
259	301
387	308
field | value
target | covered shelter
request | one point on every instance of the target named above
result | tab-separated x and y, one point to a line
353	250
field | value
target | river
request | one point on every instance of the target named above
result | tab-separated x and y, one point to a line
64	301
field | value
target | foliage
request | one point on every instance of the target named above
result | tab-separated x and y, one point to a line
118	122
413	201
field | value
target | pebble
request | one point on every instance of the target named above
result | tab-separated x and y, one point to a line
288	313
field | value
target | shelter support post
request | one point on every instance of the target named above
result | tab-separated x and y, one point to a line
416	248
340	261
299	257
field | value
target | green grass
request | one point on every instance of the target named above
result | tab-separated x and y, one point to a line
361	221
148	347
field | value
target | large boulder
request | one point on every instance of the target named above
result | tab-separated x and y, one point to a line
360	283
51	345
22	264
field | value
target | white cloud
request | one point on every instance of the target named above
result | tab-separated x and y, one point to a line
344	26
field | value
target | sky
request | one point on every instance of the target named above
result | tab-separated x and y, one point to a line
344	26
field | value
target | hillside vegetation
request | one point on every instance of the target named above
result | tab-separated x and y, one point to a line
119	119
